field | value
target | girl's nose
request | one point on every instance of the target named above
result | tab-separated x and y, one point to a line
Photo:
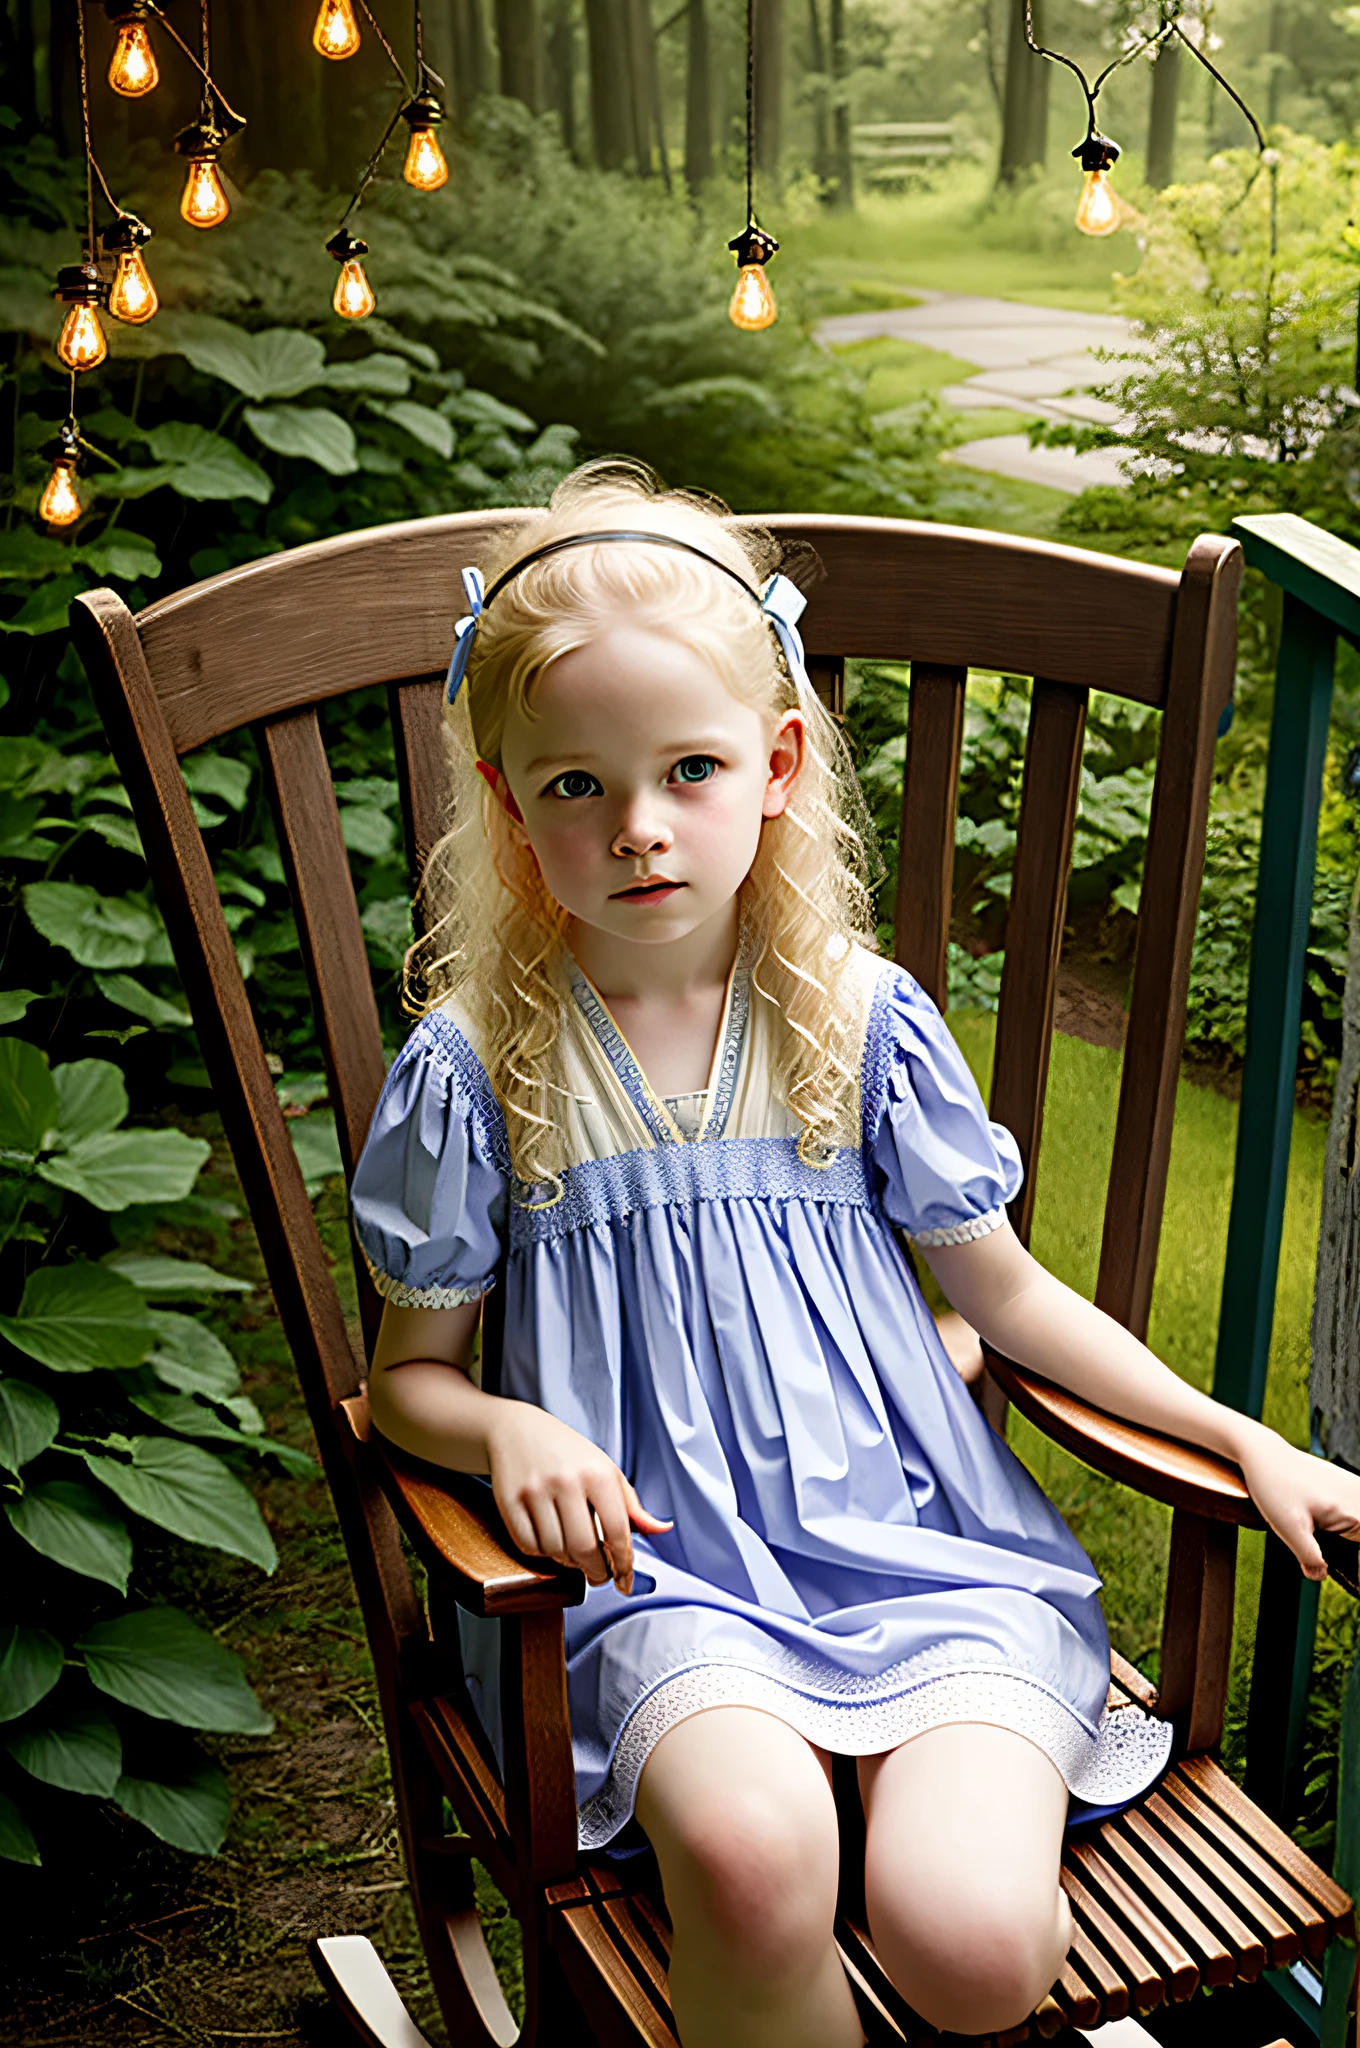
639	835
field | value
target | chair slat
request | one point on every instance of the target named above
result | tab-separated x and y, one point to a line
1104	1977
1283	1943
1178	1968
1214	1784
1216	1960
1143	1978
826	673
1029	979
418	735
1248	1950
1241	1849
925	854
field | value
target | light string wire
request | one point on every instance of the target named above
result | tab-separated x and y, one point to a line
750	112
1170	26
423	74
79	6
201	66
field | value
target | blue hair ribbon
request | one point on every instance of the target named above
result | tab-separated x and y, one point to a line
783	604
465	632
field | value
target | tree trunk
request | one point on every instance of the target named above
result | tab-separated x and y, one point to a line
821	121
471	69
561	56
1040	79
608	85
517	36
1161	142
698	99
637	109
652	63
1334	1378
769	89
843	186
1024	127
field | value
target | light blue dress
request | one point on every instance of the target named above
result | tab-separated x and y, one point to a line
854	1550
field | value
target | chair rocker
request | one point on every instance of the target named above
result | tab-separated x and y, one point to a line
1192	1886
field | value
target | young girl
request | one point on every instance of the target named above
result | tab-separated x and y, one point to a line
662	1071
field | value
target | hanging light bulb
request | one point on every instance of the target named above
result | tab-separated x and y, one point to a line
336	33
354	299
82	345
426	165
204	204
132	296
133	70
1098	206
753	305
60	503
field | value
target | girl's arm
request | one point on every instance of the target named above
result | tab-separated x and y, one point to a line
549	1482
1027	1315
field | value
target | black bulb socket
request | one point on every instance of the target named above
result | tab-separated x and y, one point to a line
79	284
201	142
121	12
1097	153
344	246
752	245
124	235
424	111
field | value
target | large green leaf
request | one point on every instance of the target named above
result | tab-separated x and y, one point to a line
421	422
30	1665
310	431
367	830
124	1167
47	610
164	1664
69	1523
190	1812
17	1843
14	1003
155	1273
78	1317
115	831
480	409
189	1492
29	1419
97	931
129	994
91	1099
75	1747
28	1096
218	775
129	557
279	362
27	555
386	375
204	465
189	1358
317	1146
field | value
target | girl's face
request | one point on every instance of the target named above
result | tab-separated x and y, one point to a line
641	784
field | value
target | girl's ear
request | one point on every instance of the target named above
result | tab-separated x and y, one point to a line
786	763
500	789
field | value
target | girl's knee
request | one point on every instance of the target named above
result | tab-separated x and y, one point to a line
975	1962
761	1877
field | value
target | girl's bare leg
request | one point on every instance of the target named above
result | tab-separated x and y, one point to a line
965	1828
740	1813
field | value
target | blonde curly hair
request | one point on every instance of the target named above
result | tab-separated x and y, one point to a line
492	934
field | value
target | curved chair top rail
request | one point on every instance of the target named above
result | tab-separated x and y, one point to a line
378	607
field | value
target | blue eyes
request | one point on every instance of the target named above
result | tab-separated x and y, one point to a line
576	783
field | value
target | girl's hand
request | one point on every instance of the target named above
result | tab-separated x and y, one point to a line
553	1487
1298	1494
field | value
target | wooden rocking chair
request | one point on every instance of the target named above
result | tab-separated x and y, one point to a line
1193	1885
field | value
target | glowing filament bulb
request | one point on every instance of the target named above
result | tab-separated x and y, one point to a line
336	33
204	204
133	69
1098	208
753	305
426	167
59	504
354	298
133	297
82	345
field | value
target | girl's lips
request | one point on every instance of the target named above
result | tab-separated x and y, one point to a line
646	892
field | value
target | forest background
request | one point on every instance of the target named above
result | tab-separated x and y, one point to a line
173	1587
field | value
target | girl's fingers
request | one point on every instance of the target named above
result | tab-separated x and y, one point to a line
581	1545
548	1538
611	1517
641	1517
1298	1534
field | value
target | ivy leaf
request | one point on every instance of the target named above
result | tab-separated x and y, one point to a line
14	1003
189	1492
17	1844
123	1167
48	609
97	931
204	465
127	556
75	1747
279	362
155	1273
30	1665
367	830
79	1317
217	775
28	1096
129	994
115	831
310	431
190	1358
27	555
165	1665
385	374
91	1099
190	1811
432	429
480	409
63	1520
29	1420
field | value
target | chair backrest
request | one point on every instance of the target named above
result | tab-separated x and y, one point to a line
268	643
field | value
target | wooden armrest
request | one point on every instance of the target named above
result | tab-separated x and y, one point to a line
451	1519
1158	1466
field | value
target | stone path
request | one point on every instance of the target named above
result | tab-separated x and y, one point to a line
1034	359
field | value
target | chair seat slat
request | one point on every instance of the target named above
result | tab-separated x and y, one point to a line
1216	1961
1235	1844
1283	1941
1214	1783
1248	1950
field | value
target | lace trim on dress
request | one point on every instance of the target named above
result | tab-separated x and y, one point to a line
603	1191
1106	1767
880	1050
402	1296
451	1054
961	1233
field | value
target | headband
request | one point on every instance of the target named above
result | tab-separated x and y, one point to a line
781	602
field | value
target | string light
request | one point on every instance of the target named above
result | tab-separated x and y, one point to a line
60	503
204	204
132	295
752	305
336	33
82	344
426	165
133	70
1098	208
354	299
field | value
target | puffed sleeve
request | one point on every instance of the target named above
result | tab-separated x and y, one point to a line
945	1172
429	1197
